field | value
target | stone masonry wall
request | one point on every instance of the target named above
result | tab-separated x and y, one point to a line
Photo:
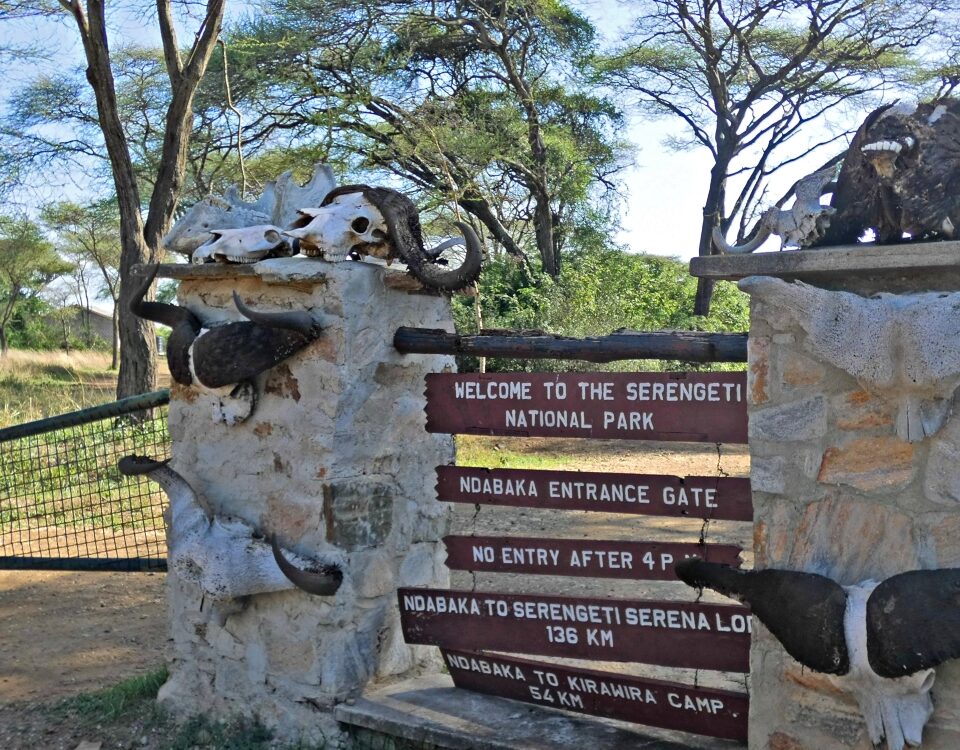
336	462
836	492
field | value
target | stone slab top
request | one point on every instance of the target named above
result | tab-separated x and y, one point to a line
295	270
933	265
430	710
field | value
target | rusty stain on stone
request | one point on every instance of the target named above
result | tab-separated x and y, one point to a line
869	464
798	370
759	371
781	741
183	393
281	382
263	429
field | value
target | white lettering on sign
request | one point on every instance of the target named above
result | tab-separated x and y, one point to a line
628	420
456	605
559	698
497	486
699	704
529	556
546	418
612	689
698	497
673	619
596	391
474	664
604	493
567	690
492	390
590	613
679	390
610	559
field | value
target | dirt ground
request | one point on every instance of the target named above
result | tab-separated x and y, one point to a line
70	633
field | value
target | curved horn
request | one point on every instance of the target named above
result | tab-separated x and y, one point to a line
294	320
323	582
804	611
132	466
159	312
453	279
720	242
434	252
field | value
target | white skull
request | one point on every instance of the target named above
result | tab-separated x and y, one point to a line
244	245
349	223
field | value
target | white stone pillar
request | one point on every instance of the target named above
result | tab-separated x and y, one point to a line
335	461
837	490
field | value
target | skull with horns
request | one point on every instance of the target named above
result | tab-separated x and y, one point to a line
355	221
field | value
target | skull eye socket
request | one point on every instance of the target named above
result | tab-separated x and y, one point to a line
360	224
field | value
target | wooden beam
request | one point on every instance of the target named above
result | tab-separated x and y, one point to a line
687	346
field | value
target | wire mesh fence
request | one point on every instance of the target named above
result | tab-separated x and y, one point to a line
63	503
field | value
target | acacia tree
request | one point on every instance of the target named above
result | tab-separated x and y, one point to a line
745	76
91	234
28	263
480	104
140	238
146	205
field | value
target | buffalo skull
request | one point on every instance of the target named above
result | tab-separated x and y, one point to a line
244	245
354	221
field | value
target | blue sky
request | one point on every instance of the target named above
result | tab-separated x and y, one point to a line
663	191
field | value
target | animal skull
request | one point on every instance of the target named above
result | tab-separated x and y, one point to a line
244	245
349	225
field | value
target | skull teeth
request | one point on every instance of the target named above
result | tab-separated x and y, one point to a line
888	146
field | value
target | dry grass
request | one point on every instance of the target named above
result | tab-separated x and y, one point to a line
25	360
38	384
34	385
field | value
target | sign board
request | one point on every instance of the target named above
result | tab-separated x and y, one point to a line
650	561
668	633
695	407
720	498
705	711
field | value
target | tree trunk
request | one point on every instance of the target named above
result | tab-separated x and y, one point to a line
115	342
543	228
712	217
3	340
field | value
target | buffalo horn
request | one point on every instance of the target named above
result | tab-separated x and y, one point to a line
323	582
159	312
294	320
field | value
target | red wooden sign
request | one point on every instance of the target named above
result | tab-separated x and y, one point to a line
700	407
705	711
651	561
668	633
722	498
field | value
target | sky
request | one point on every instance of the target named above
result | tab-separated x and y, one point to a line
664	190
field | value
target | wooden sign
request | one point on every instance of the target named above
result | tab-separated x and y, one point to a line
650	561
721	498
698	407
704	711
668	633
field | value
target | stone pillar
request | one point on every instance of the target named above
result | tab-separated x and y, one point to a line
839	487
336	462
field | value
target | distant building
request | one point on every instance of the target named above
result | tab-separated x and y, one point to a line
82	320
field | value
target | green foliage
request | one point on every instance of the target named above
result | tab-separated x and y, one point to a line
599	291
477	106
28	263
124	699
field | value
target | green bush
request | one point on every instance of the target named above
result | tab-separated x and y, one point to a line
599	291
